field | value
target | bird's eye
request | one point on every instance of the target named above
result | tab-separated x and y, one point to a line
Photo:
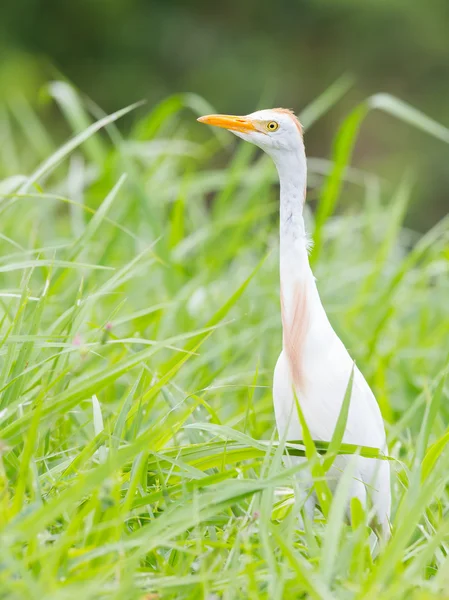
272	126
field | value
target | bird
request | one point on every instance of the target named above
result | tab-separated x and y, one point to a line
314	367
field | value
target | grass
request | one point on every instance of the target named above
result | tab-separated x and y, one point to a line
139	331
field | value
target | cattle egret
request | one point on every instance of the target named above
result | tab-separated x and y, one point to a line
314	364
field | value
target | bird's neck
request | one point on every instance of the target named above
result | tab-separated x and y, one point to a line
294	262
301	309
299	296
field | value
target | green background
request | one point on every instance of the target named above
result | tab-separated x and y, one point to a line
139	297
244	55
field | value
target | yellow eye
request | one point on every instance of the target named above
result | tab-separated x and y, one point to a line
272	126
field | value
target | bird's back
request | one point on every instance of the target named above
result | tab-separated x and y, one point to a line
326	367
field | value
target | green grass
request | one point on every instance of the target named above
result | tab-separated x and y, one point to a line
139	331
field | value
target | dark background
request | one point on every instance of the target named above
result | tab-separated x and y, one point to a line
241	54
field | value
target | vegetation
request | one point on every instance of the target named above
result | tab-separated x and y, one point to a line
285	52
139	331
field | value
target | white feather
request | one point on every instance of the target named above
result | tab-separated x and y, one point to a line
314	361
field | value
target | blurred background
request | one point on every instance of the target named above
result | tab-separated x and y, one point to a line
244	55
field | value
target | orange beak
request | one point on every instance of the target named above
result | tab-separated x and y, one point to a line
242	124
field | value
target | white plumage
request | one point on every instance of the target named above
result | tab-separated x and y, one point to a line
313	362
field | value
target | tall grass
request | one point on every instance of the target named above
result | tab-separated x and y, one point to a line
139	331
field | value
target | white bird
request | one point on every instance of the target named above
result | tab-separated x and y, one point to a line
313	363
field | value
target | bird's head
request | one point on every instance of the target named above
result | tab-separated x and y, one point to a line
275	130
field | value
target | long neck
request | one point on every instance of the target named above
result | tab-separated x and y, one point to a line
301	307
294	263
